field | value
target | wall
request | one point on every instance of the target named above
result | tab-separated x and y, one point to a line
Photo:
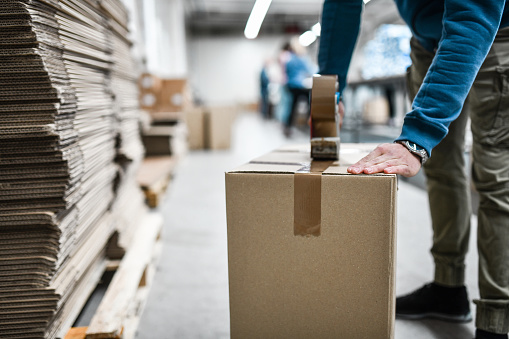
158	31
225	70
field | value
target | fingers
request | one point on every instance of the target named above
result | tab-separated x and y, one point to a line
360	166
403	170
389	159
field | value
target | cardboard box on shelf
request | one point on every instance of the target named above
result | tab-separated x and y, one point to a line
149	82
148	100
311	249
173	96
149	86
163	95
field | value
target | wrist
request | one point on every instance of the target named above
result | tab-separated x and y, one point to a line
415	149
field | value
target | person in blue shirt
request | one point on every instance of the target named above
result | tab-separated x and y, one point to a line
299	72
460	49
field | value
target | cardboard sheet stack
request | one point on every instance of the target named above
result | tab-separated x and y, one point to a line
129	206
58	147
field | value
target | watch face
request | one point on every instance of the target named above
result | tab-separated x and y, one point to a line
413	146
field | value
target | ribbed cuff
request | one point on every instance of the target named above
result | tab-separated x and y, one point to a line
492	315
422	132
451	276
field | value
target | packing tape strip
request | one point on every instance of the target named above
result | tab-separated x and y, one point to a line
307	195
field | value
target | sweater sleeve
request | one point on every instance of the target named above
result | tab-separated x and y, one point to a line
469	29
340	28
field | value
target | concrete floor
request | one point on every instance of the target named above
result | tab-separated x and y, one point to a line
189	296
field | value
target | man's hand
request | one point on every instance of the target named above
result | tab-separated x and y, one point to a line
389	159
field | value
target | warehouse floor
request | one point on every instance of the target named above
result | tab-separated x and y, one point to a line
189	296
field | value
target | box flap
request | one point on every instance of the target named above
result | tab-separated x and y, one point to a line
295	158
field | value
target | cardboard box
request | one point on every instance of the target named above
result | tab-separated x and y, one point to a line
148	100
311	249
172	96
163	95
196	128
149	82
376	111
218	123
149	86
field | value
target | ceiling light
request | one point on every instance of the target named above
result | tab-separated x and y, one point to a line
307	38
317	28
256	18
366	1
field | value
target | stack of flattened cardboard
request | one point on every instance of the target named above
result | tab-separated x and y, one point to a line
128	208
41	166
58	118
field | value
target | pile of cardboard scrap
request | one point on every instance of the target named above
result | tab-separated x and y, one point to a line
69	149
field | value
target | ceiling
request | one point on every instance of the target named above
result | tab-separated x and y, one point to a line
222	16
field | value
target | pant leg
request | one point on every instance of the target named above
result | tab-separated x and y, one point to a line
490	172
297	93
448	186
295	98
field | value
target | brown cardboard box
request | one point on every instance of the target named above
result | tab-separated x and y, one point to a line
149	86
163	95
376	111
149	82
218	123
196	128
311	254
172	97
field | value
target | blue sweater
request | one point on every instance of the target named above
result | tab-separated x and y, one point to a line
461	32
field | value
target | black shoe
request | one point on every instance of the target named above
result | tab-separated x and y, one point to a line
435	301
480	334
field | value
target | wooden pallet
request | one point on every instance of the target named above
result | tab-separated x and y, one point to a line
154	177
119	312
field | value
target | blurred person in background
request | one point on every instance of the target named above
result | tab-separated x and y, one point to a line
459	48
284	96
265	108
299	72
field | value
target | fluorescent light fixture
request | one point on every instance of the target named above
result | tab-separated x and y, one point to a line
307	38
256	18
366	1
317	29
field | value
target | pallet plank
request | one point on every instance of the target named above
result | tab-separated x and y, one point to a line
154	170
109	319
76	333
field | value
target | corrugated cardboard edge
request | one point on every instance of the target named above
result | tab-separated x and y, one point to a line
392	260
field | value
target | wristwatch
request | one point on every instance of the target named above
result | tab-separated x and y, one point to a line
415	149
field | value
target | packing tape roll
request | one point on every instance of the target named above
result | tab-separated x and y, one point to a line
323	100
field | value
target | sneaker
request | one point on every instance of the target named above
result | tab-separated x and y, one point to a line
435	301
480	334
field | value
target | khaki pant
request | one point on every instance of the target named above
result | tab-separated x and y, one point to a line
449	189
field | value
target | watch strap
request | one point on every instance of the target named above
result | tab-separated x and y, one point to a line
415	149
